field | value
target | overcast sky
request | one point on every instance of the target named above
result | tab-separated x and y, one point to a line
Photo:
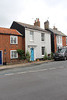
27	11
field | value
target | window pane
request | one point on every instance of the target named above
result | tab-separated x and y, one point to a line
11	39
42	36
12	54
15	54
31	35
15	40
43	50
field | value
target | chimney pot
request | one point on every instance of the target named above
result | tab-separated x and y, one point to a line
54	28
37	22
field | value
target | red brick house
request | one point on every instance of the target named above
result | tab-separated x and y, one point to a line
58	39
10	41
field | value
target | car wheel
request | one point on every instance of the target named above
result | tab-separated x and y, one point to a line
65	58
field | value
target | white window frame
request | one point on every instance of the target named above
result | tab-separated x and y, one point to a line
31	36
13	39
13	56
42	38
59	39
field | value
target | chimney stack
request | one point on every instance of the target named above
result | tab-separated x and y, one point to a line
54	28
46	25
37	22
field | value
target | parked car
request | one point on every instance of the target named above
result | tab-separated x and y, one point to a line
61	54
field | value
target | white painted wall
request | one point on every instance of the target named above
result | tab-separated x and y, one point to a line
37	43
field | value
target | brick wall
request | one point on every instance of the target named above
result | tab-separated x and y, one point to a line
64	41
5	44
55	43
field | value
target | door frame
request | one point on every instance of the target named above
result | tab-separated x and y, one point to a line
2	56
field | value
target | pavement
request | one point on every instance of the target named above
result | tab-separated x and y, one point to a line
4	67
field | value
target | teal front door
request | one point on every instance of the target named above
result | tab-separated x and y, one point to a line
32	54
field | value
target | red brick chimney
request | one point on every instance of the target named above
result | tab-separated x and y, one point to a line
37	22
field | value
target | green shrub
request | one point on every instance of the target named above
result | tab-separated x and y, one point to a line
45	56
51	55
28	56
21	54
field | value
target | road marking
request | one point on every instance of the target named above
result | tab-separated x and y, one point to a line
52	68
21	72
32	71
9	74
38	70
25	72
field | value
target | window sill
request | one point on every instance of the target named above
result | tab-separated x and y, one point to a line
31	40
42	55
42	41
13	58
13	44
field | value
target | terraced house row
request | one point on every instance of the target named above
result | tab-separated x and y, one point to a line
30	38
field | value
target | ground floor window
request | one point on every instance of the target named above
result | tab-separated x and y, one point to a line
13	54
43	50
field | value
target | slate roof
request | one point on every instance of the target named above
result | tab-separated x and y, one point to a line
9	31
32	27
57	32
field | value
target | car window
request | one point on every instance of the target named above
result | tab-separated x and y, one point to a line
66	50
58	51
62	50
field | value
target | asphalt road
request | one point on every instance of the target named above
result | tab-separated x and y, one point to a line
46	81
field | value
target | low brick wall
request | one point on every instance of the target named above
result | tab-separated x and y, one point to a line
16	61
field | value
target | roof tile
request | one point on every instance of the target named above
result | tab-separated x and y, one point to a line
57	32
9	31
32	27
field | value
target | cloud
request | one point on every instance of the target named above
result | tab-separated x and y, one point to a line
28	10
10	10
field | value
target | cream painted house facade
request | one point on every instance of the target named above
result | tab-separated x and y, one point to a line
38	41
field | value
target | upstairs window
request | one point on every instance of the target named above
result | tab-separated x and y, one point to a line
13	40
31	35
42	36
59	39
